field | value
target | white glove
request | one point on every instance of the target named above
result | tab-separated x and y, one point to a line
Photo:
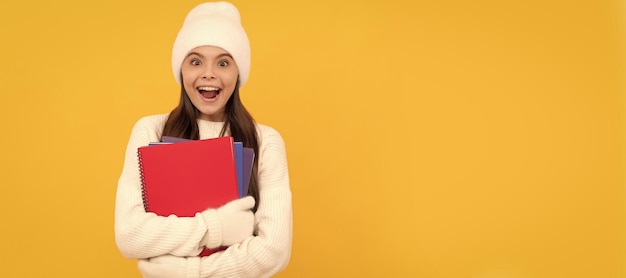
168	266
229	224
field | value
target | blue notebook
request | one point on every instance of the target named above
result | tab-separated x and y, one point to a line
248	161
238	149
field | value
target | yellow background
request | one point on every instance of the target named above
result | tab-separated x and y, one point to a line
455	138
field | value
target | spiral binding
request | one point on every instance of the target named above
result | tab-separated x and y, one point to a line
143	182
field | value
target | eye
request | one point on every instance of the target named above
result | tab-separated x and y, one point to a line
222	63
196	62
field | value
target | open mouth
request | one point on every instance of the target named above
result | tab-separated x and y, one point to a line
209	92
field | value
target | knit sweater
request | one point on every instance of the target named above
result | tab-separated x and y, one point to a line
140	234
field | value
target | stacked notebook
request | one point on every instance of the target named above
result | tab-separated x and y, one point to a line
183	177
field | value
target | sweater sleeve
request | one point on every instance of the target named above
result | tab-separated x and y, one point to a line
140	234
269	251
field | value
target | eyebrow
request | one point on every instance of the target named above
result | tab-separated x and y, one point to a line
218	56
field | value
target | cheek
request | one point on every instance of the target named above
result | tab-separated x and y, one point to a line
188	89
189	74
232	76
187	82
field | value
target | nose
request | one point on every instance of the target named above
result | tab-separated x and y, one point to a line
208	73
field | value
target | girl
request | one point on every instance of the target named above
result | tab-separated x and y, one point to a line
211	61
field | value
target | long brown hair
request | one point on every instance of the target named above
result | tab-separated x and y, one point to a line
182	122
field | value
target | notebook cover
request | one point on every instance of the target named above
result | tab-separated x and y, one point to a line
188	177
171	139
248	161
238	146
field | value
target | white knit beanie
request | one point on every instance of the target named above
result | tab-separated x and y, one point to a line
216	24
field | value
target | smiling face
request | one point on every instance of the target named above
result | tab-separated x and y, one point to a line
209	78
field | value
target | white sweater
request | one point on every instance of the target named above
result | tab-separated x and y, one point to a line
140	234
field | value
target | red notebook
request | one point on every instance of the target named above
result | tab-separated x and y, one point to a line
188	177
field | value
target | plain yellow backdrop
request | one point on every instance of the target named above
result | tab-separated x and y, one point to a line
476	139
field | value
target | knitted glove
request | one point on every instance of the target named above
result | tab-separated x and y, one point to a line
229	224
168	266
